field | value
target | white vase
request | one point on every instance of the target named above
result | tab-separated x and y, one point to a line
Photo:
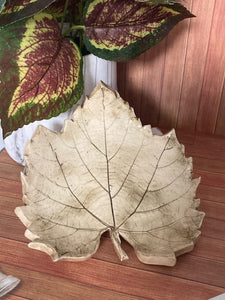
94	70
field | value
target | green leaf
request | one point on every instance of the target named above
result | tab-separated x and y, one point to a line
16	10
41	72
123	29
2	3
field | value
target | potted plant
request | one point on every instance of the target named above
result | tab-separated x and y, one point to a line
43	43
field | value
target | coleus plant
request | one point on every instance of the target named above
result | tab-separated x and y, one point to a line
41	58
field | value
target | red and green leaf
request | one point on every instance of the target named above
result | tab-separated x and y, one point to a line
123	29
15	10
41	72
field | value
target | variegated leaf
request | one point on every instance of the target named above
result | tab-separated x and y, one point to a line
16	10
41	72
123	29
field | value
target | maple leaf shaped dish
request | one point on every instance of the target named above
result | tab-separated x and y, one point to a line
105	172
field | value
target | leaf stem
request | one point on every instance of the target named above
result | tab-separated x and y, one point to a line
64	14
75	27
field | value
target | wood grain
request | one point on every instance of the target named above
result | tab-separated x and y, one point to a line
13	297
10	188
214	179
214	74
9	171
176	47
121	83
195	63
220	125
211	193
213	209
152	85
133	86
50	287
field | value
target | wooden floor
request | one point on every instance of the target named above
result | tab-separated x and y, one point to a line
197	275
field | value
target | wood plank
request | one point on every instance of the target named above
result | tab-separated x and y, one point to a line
204	151
220	125
9	171
10	296
207	178
213	209
214	73
211	193
121	78
195	63
201	145
10	188
215	142
4	157
213	228
133	84
210	248
118	278
7	205
185	137
12	228
176	44
35	285
209	165
154	60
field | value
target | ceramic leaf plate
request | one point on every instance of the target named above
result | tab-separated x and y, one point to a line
106	172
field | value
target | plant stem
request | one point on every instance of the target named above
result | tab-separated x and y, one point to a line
64	14
81	41
75	27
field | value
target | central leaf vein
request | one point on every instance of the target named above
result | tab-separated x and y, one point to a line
107	160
